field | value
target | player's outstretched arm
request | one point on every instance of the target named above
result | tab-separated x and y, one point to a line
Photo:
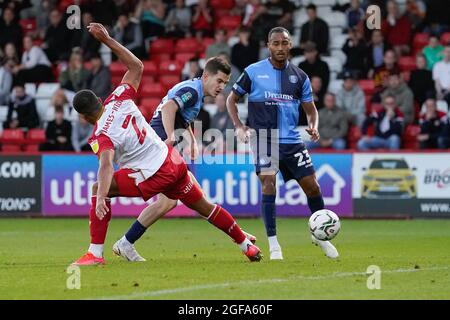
313	120
134	65
105	176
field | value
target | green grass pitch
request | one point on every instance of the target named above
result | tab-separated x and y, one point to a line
190	259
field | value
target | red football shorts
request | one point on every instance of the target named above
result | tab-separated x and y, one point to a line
171	179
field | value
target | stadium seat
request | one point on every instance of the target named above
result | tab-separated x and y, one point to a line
115	80
188	45
35	137
221	4
150	68
27	25
204	45
335	86
409	138
170	68
325	3
338	41
12	140
3	113
353	136
300	17
336	19
182	58
229	22
159	58
30	89
152	90
420	41
159	46
47	90
117	69
168	81
445	38
334	64
147	79
368	86
148	107
407	63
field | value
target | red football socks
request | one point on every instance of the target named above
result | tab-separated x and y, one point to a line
223	220
97	227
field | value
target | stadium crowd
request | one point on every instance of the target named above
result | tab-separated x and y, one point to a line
387	88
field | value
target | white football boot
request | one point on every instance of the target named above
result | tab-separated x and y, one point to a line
326	246
276	253
127	251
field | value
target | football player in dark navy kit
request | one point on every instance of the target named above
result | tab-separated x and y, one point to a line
276	88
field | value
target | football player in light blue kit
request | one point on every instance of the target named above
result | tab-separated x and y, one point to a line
276	88
177	110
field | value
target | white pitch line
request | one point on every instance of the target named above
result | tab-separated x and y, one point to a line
254	282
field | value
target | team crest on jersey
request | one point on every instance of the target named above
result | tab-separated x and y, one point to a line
94	146
186	97
293	79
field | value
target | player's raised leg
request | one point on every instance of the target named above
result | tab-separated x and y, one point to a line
268	212
313	193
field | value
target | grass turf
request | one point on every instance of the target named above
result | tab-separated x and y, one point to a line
190	259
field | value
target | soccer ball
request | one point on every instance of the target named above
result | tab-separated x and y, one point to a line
324	224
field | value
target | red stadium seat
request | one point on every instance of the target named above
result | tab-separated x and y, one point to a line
150	68
148	107
27	25
229	22
168	81
407	63
162	46
35	137
420	41
158	58
188	45
182	58
368	86
170	68
353	136
445	38
117	69
409	138
147	79
115	80
152	90
12	140
222	4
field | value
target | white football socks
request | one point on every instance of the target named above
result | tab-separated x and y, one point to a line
273	243
96	250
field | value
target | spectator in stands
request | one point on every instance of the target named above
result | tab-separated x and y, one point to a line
437	17
381	74
404	98
99	80
356	50
239	8
11	59
202	19
333	125
431	124
21	110
219	46
253	10
421	80
151	14
194	70
178	21
83	39
75	77
376	51
315	30
129	34
81	132
354	14
441	76
434	52
5	84
58	133
351	99
314	66
234	75
57	38
35	66
388	128
10	30
43	11
222	121
61	100
397	29
444	137
416	11
244	53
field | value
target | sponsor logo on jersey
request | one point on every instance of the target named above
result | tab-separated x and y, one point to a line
262	76
277	96
94	146
186	97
